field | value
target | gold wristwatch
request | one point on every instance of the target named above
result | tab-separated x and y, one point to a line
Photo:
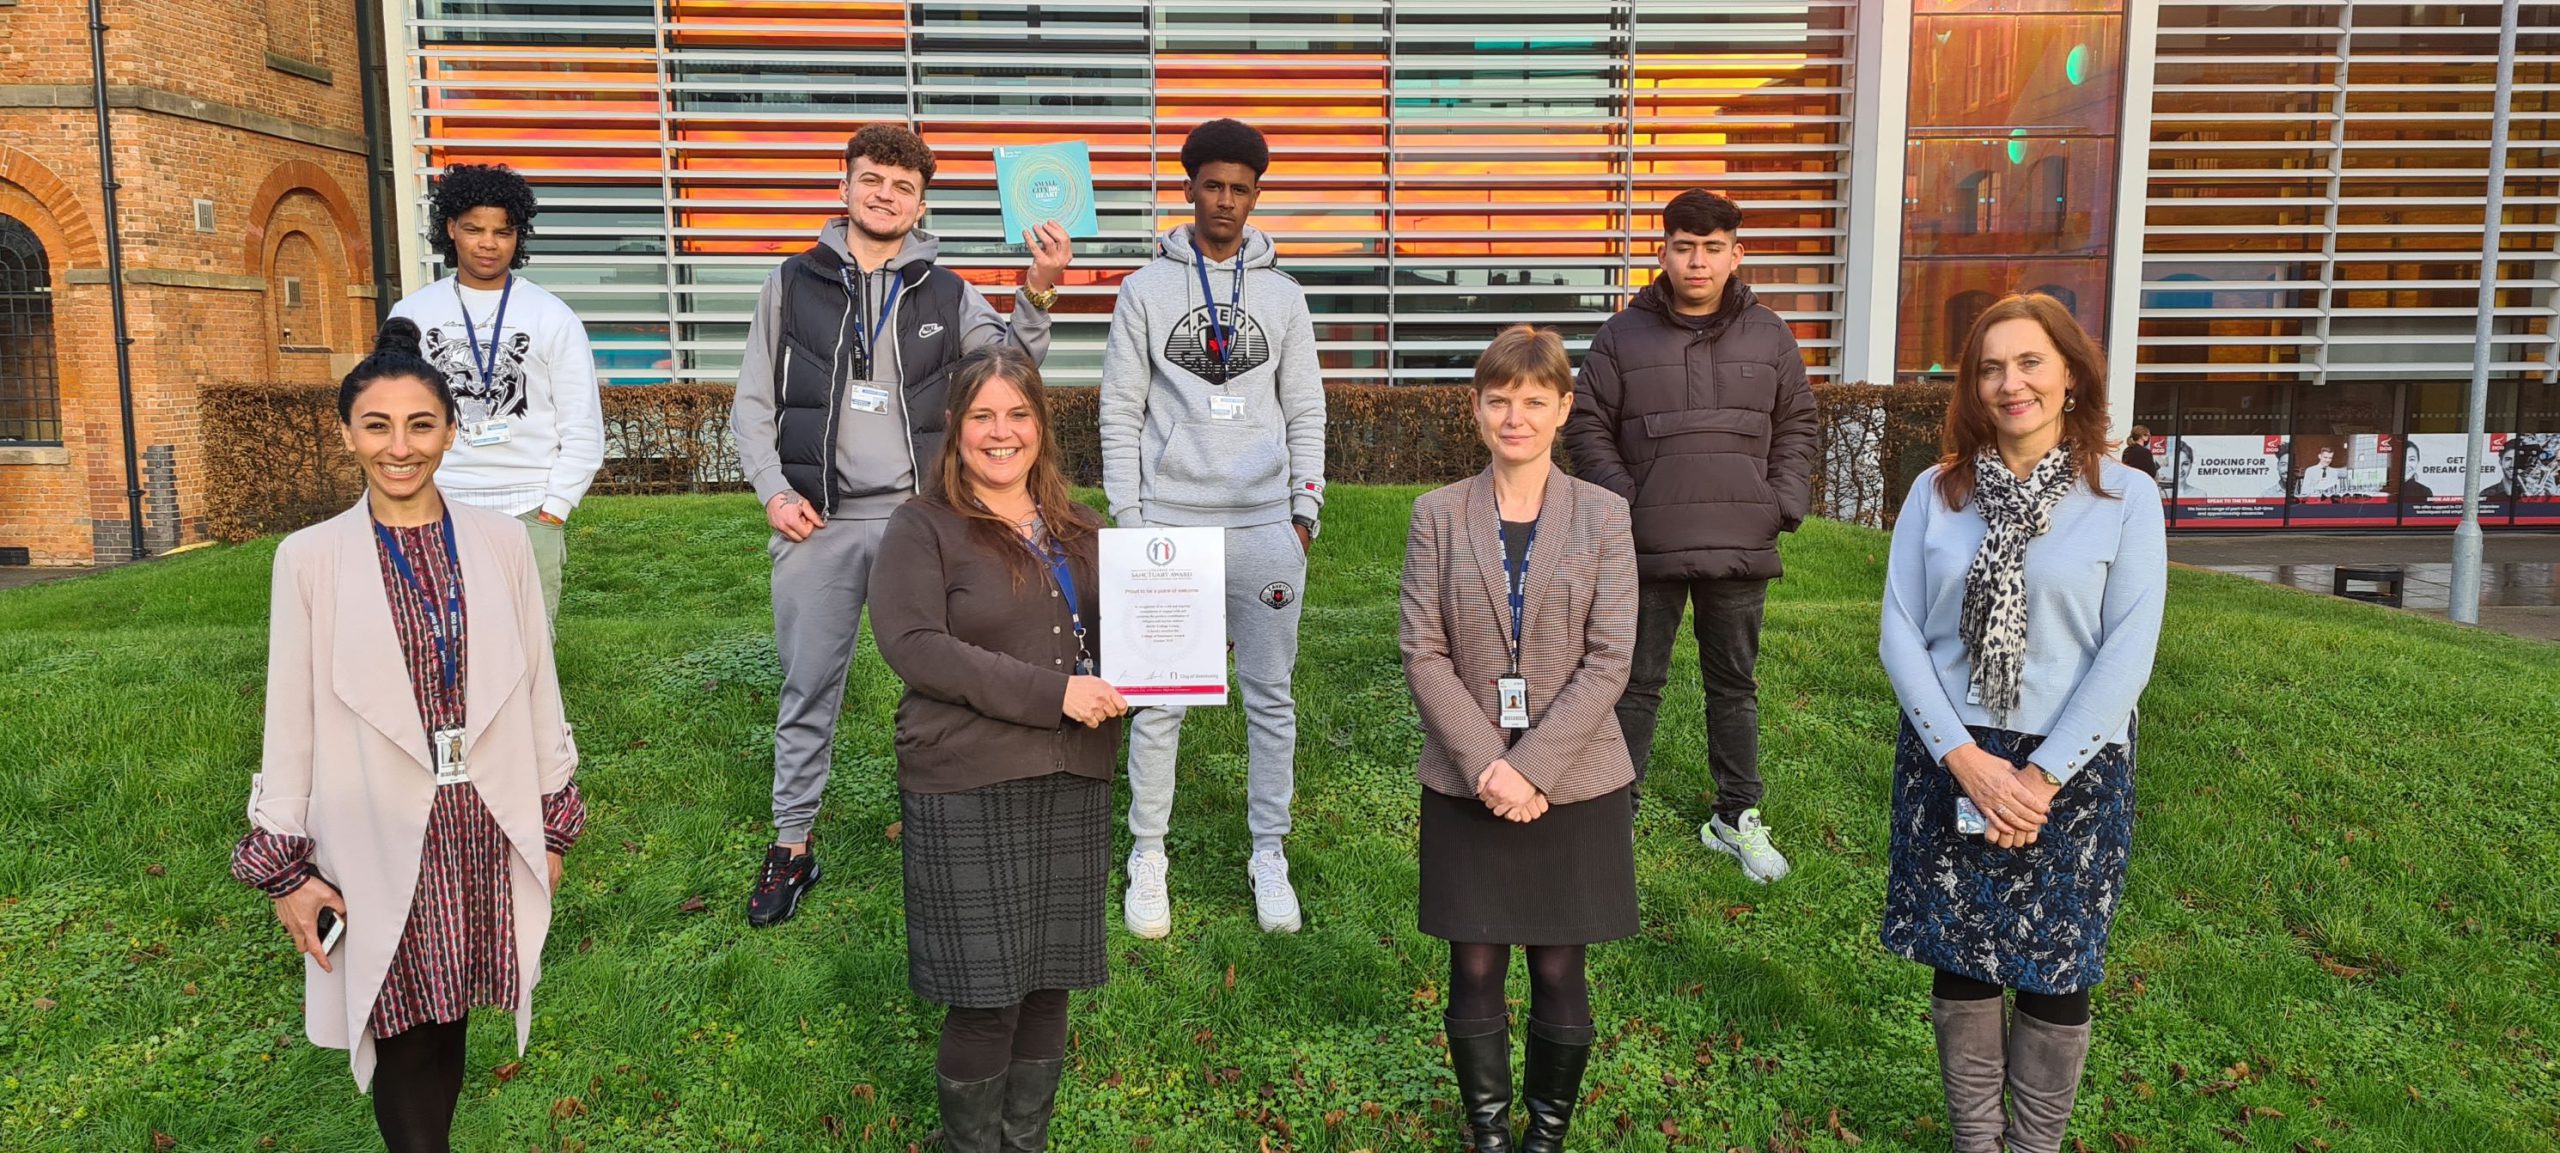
1040	299
2049	778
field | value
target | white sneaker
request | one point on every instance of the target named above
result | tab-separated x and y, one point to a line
1747	840
1275	904
1145	907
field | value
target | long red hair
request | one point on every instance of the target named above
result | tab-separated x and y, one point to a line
1969	427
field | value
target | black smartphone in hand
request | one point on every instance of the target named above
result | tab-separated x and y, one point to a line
331	927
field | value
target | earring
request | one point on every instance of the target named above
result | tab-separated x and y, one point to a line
2069	402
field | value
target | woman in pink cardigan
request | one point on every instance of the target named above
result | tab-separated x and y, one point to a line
415	785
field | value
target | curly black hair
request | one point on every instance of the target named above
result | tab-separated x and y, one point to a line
1233	141
468	186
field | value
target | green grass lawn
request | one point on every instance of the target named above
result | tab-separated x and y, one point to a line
2340	931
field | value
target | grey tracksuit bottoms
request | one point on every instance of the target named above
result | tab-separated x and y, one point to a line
819	585
1266	576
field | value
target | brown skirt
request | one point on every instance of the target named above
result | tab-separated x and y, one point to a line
1567	878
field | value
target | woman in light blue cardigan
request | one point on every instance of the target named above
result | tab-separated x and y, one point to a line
2021	611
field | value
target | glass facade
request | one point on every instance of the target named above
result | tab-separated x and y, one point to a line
2311	257
2009	166
2283	200
1432	179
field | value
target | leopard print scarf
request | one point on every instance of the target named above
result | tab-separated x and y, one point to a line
1994	624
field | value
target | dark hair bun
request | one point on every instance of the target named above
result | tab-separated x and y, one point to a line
400	336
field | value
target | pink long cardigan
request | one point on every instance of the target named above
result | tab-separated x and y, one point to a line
347	764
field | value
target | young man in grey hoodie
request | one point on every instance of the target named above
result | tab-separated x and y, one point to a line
1213	415
838	417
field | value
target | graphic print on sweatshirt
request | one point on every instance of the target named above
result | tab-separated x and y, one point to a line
1190	349
449	348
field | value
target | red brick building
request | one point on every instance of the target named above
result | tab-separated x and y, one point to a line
239	144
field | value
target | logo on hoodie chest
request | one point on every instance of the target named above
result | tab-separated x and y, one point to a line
1194	344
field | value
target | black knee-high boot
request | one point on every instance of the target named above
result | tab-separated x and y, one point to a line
1557	1055
1480	1054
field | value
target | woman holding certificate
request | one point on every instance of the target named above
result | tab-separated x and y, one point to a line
1518	621
1005	746
414	798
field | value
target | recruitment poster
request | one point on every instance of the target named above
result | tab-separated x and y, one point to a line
2529	471
2344	480
2228	481
2431	476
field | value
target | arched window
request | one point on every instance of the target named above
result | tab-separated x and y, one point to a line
30	393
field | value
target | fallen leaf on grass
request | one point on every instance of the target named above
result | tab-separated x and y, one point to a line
2337	969
2125	1142
1842	1132
1736	912
895	830
160	1140
693	905
568	1107
1231	976
507	1072
157	870
45	1002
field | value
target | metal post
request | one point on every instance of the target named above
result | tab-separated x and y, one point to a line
115	272
2464	605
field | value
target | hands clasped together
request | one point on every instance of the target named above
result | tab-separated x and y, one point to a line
2015	801
1510	795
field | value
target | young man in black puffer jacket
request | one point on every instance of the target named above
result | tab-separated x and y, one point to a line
1692	404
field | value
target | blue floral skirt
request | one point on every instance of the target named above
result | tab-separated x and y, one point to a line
2034	918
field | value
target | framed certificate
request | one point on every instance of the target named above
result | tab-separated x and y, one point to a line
1164	615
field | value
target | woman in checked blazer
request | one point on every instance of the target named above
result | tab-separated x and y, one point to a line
1527	822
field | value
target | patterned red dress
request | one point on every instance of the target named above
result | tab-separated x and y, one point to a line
458	950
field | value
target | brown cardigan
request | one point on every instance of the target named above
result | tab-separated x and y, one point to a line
986	663
1575	649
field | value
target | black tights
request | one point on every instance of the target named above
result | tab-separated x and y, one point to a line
417	1077
2064	1009
1557	993
980	1043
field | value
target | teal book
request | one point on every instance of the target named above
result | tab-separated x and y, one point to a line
1044	182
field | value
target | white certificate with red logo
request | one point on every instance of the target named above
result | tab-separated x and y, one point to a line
1164	615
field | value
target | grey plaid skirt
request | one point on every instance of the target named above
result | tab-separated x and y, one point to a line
1005	888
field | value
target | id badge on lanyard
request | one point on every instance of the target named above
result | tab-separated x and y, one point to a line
450	769
486	433
444	623
1511	693
1062	570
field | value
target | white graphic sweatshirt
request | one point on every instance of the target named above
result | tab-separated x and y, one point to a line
543	388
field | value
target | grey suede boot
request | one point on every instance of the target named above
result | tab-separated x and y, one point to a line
2045	1061
1030	1095
1972	1063
972	1113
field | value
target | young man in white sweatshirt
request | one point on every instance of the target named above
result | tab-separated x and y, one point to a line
532	432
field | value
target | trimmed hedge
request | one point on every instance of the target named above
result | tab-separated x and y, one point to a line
274	460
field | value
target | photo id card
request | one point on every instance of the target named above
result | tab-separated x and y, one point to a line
867	398
486	433
1222	407
1512	695
448	747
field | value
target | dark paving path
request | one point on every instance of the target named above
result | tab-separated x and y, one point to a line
2520	592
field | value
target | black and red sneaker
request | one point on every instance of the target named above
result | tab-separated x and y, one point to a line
779	886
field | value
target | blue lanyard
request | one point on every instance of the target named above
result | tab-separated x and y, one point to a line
445	624
1062	570
888	307
1221	336
488	365
1515	582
